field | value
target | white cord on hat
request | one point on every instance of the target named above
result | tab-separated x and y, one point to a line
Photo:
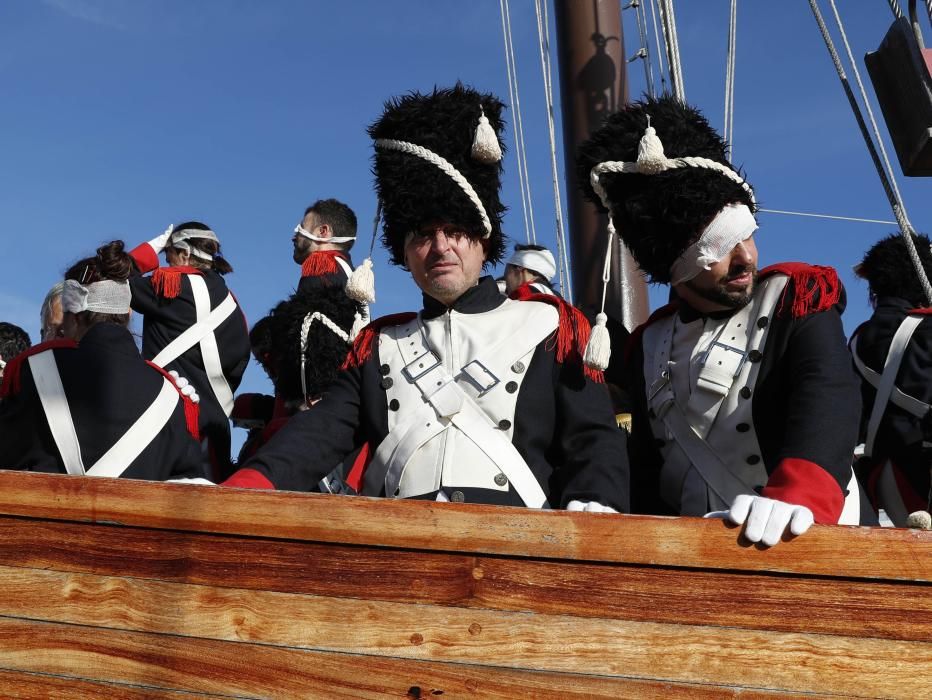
447	167
105	297
305	329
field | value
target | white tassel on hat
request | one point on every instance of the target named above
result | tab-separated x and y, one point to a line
361	284
485	146
599	348
360	321
651	158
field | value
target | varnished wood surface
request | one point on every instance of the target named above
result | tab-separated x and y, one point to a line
254	671
518	640
37	686
833	551
680	596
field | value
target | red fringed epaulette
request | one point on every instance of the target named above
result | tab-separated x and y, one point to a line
572	332
923	311
364	344
192	412
11	374
813	288
635	338
321	262
166	281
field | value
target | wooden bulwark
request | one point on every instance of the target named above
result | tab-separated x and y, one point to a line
132	589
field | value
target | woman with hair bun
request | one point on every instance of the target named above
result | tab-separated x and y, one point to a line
88	403
194	325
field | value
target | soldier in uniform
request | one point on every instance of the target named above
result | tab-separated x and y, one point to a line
192	324
893	354
322	243
532	267
744	396
88	403
447	406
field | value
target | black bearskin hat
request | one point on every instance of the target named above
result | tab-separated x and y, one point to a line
889	270
325	349
659	216
413	191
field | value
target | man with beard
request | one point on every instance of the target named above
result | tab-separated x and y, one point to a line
746	404
445	405
322	243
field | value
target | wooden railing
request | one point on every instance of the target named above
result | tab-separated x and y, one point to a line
130	589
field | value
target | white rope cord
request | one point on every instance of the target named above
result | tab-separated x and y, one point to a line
660	49
305	330
890	190
632	167
447	167
517	125
644	51
543	35
668	22
929	9
728	130
828	216
895	9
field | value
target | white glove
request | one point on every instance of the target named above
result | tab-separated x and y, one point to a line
589	507
768	519
160	242
185	387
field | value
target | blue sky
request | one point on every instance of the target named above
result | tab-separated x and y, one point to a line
120	117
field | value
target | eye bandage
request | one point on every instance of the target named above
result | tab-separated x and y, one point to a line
732	225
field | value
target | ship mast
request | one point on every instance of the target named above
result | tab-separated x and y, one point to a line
593	83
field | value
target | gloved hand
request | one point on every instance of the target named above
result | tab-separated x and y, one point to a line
160	242
589	507
185	387
766	519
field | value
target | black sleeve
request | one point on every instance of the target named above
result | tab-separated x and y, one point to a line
306	449
593	445
24	433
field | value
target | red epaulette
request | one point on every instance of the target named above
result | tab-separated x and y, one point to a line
192	412
11	374
166	281
814	287
364	344
322	262
924	311
572	331
635	338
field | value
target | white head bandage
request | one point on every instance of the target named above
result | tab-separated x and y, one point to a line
733	224
104	297
301	231
179	237
448	169
539	261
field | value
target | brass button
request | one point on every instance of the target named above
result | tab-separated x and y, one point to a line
504	424
501	479
511	387
755	356
518	367
387	382
753	459
457	497
385	369
745	392
393	405
742	427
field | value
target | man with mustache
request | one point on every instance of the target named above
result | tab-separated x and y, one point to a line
476	398
746	404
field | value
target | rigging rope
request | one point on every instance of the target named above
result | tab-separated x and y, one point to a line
895	9
728	131
518	125
660	51
543	35
644	51
668	22
888	182
828	216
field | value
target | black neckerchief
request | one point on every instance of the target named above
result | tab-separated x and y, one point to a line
475	300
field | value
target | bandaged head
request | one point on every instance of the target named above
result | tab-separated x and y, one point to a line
732	225
539	261
104	297
180	237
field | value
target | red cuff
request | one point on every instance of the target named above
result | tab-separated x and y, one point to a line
249	479
805	483
146	258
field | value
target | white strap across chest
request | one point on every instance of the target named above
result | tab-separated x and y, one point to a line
886	385
451	400
125	450
203	332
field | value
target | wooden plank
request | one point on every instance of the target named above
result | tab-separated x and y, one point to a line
28	686
686	542
526	641
208	666
761	601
